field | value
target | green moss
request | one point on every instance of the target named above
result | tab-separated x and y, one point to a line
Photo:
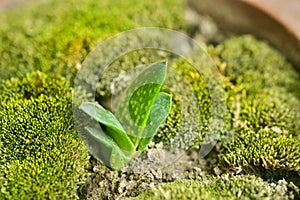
177	190
41	154
270	112
254	66
261	152
257	71
42	157
224	187
55	36
265	104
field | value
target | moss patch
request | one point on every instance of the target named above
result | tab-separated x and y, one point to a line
265	105
55	36
262	152
225	187
42	157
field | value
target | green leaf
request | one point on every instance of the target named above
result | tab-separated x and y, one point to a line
134	108
159	112
114	128
107	150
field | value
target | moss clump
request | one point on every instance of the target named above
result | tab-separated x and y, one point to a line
42	157
224	187
253	66
265	104
270	112
254	69
261	152
55	36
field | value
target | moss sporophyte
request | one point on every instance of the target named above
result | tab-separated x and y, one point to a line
141	111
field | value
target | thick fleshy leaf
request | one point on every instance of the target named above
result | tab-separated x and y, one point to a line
114	128
159	112
107	150
134	108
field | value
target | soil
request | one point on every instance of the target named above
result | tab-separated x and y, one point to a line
107	184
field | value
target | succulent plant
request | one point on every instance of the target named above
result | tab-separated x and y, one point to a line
141	111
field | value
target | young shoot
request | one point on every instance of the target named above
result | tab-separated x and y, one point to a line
141	111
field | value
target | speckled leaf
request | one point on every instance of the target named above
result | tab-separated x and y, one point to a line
159	112
108	151
114	128
134	108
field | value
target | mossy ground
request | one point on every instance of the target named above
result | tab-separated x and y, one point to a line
224	187
55	36
43	156
265	142
265	104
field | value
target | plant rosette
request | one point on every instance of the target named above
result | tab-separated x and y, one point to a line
139	115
